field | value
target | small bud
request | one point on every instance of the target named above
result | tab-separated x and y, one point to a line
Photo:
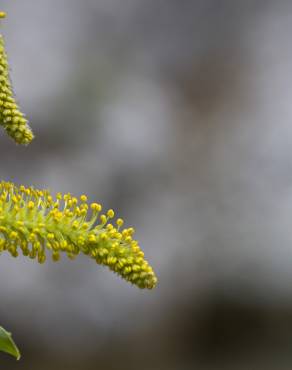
110	213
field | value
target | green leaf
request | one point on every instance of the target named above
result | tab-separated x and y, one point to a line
7	344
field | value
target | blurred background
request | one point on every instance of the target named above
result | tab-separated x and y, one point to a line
177	114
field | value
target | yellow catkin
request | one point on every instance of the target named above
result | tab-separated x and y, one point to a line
32	222
11	118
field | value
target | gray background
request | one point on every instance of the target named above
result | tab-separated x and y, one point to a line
177	114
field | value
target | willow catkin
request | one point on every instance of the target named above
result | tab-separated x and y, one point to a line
11	117
33	222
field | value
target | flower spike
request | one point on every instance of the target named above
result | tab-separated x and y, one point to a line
33	222
11	118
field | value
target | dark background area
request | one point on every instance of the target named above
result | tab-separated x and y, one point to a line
177	114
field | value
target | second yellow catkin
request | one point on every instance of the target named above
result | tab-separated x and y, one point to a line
11	117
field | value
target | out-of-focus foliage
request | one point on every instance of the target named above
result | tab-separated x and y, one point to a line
7	344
